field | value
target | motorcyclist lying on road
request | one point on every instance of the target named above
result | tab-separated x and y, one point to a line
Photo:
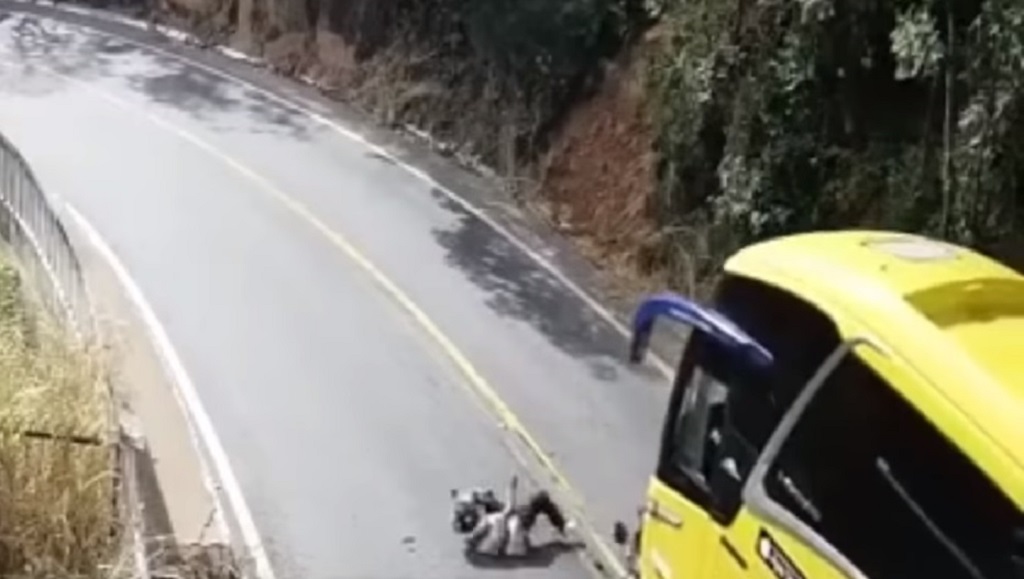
502	529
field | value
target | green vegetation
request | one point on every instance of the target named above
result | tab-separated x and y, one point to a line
788	116
57	509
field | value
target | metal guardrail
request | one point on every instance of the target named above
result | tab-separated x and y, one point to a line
40	244
47	260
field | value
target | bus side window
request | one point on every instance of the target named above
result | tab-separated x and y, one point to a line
723	411
1018	553
878	481
694	423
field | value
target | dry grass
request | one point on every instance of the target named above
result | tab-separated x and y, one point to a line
57	506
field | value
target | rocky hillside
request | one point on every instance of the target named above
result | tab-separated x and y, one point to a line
666	134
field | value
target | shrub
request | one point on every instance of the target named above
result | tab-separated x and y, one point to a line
57	515
779	117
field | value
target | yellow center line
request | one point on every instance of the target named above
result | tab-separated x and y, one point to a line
510	421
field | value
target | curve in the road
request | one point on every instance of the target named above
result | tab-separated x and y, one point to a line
547	364
201	426
509	420
591	302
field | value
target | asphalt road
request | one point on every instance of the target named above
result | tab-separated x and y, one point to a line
345	422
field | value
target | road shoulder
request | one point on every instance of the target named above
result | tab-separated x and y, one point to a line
183	523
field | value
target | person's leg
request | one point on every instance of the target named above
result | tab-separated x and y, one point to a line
540	503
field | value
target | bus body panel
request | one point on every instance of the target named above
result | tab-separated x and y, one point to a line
943	319
700	549
910	305
769	553
676	535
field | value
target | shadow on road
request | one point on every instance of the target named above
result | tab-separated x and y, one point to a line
542	556
33	46
521	289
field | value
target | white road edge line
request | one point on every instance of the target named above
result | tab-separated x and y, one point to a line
293	103
198	419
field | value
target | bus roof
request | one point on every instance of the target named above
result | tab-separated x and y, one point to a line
953	315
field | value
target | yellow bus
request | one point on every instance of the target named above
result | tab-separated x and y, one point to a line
851	404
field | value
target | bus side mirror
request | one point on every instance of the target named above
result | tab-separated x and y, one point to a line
701	319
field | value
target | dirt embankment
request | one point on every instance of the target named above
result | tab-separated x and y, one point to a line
567	129
599	176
